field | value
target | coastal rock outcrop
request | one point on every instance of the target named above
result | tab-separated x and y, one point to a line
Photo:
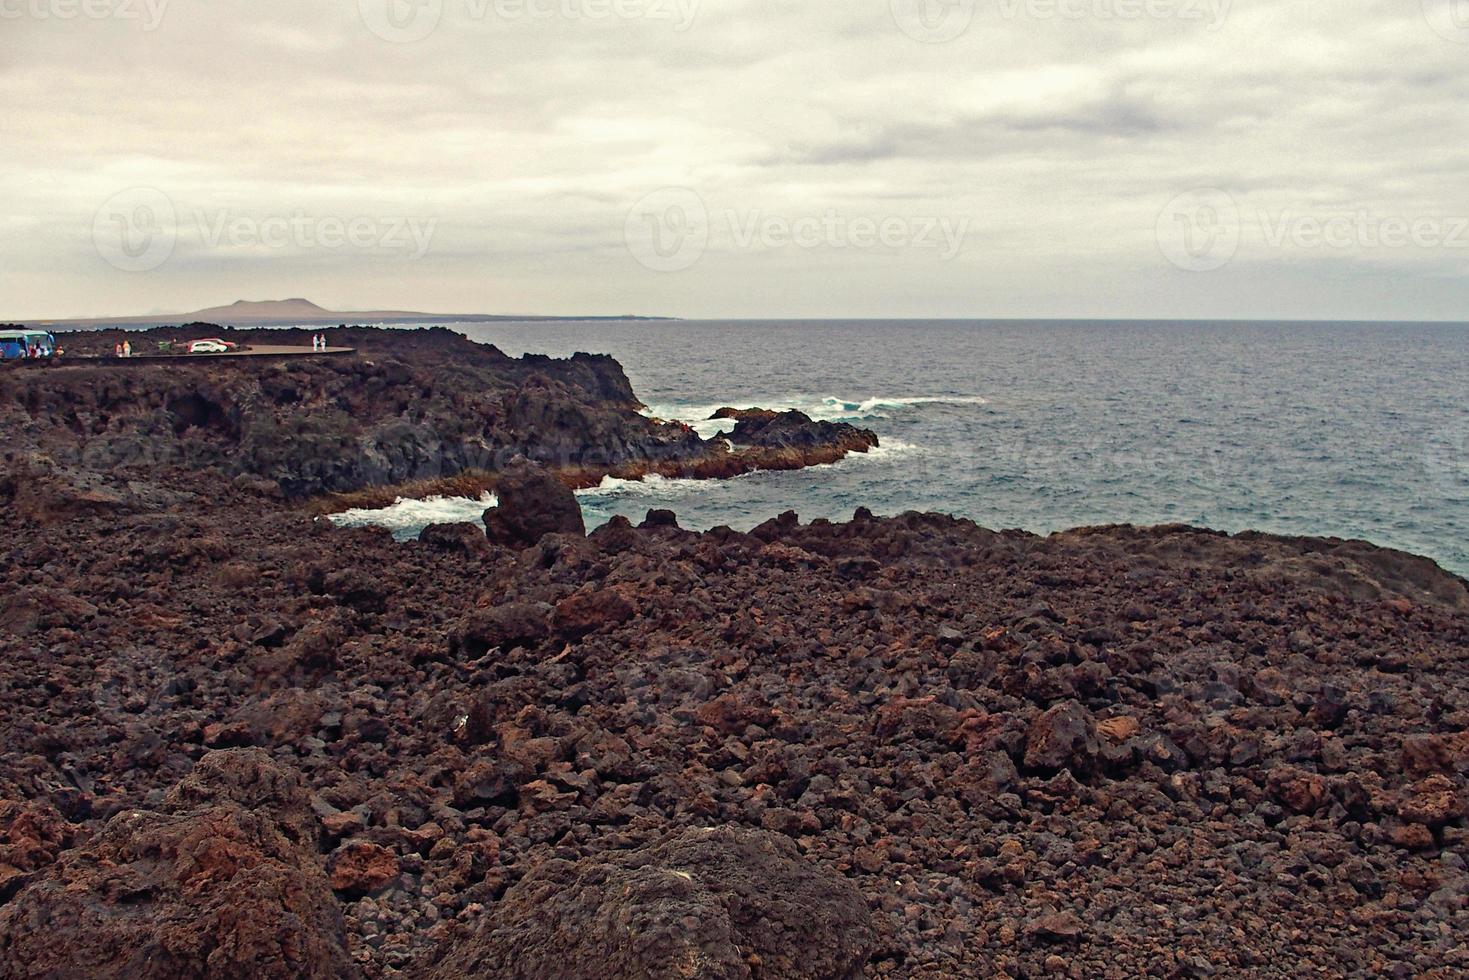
416	412
410	406
791	429
723	904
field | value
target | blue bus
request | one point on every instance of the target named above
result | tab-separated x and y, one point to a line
19	344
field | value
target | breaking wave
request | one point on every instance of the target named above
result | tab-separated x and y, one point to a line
652	485
406	517
827	408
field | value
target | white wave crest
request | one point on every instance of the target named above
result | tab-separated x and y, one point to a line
890	449
653	485
409	516
822	408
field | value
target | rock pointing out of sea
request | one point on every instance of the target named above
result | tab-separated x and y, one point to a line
723	904
533	503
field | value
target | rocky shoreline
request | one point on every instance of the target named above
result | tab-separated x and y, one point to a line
241	741
415	412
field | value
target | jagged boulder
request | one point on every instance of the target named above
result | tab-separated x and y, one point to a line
1064	736
714	904
223	881
533	504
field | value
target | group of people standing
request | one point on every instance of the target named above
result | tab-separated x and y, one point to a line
318	341
124	349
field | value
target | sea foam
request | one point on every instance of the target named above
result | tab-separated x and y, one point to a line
820	407
406	517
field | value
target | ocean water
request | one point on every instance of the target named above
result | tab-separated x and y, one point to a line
1345	429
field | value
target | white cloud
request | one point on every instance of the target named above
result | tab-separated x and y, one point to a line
1057	140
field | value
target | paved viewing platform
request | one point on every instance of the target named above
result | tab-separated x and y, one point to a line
254	351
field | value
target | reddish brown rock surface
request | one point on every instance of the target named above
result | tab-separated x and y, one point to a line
359	868
218	882
981	731
724	904
532	504
1109	752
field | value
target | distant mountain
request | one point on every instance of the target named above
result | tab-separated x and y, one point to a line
291	312
244	310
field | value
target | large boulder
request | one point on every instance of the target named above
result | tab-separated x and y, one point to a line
533	503
223	881
714	904
506	627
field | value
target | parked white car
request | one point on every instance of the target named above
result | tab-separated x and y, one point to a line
208	347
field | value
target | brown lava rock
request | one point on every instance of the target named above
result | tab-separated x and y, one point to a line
716	904
532	504
219	883
360	868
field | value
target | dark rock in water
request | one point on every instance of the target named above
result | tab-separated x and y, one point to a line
411	406
718	904
741	414
224	881
533	504
660	518
794	430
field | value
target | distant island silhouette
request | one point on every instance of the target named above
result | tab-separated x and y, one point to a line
291	312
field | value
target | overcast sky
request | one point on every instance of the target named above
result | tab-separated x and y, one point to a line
738	158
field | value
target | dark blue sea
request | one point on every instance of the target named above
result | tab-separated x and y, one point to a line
1352	430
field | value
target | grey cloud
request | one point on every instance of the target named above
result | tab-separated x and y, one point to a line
529	141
